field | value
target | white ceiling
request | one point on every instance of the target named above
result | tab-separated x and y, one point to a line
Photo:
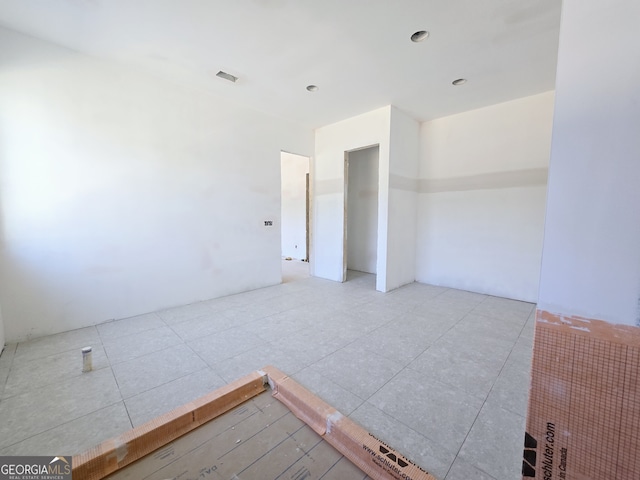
357	51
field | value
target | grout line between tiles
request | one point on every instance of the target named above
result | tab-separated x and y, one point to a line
358	293
102	337
486	398
61	424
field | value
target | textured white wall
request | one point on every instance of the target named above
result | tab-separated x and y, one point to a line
123	194
294	169
362	210
482	198
591	261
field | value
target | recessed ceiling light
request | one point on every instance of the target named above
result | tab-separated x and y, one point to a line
459	81
227	76
312	88
419	36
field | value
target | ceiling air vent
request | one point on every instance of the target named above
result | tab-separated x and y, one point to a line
226	76
419	36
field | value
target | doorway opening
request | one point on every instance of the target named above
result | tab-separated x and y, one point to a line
295	205
361	211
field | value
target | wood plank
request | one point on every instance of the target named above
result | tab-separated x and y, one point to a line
113	454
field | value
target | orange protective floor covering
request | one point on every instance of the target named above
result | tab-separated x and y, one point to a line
583	420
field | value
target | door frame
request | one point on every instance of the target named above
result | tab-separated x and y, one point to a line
345	205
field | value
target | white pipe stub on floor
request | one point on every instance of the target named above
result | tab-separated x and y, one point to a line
87	364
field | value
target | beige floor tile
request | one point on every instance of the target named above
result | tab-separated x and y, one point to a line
523	349
495	442
7	355
202	326
463	297
482	348
155	369
439	412
224	345
511	389
345	341
278	327
505	308
157	401
60	342
360	371
258	357
129	347
29	375
129	326
461	470
75	436
332	393
457	370
4	374
187	312
37	411
399	344
294	270
475	325
416	447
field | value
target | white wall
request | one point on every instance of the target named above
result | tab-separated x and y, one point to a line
294	169
482	198
331	143
591	261
123	194
2	340
362	210
403	199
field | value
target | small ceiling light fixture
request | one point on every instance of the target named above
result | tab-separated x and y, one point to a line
419	36
227	76
459	81
312	88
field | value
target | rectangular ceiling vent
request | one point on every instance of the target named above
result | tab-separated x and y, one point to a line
226	76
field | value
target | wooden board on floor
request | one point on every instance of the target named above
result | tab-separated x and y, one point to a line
259	439
240	431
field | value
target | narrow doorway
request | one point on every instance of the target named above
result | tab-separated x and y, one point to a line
294	171
361	210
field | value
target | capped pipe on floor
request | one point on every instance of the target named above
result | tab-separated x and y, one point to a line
87	362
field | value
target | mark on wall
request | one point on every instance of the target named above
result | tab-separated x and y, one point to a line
403	183
485	181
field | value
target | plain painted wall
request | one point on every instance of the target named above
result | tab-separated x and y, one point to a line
401	216
124	194
328	167
482	196
2	340
362	210
294	169
591	261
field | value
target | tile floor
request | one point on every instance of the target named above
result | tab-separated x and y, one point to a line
440	374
